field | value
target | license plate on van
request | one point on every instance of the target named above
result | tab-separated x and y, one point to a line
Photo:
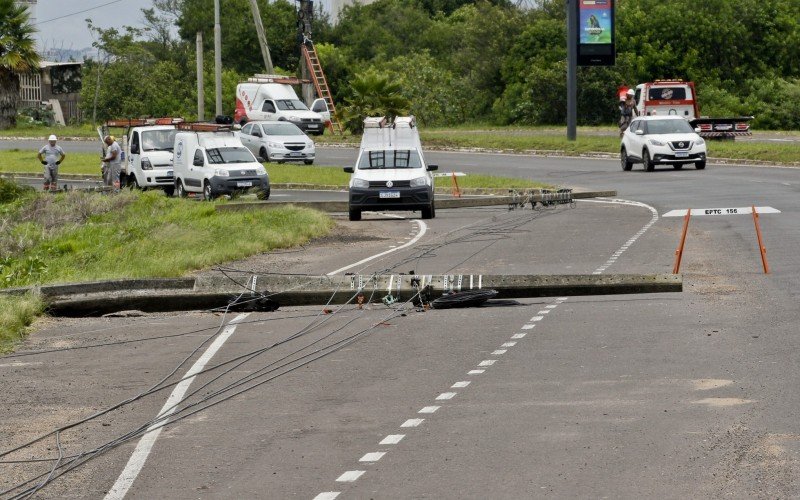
244	184
389	194
312	125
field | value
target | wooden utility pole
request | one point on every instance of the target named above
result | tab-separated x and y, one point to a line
262	37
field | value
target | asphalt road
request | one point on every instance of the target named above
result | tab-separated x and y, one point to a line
678	395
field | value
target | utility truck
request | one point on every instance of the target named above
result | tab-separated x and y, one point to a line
272	97
390	172
211	160
678	97
147	148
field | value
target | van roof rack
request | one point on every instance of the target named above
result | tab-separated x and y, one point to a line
375	122
204	127
405	121
263	78
143	122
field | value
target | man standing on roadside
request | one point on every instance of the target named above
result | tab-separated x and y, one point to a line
51	156
113	163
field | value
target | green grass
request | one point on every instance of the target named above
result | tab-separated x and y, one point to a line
16	161
81	236
42	132
16	314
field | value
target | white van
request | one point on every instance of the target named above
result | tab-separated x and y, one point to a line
215	163
272	97
391	173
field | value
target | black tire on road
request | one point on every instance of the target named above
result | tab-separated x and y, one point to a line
623	158
263	153
180	189
700	165
208	193
648	163
355	214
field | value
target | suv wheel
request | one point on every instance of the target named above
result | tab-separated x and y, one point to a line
648	163
623	158
355	214
700	165
180	189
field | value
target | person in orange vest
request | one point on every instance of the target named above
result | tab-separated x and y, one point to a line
627	111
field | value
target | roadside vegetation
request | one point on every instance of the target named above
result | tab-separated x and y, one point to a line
81	236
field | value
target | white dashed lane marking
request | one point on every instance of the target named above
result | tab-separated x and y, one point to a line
517	336
350	476
475	372
327	495
429	409
498	352
372	457
392	439
487	362
459	385
445	395
412	422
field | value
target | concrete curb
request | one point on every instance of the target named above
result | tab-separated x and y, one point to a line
463	202
183	294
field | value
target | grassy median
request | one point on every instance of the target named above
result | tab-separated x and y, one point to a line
82	236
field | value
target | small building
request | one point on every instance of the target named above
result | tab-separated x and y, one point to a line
57	86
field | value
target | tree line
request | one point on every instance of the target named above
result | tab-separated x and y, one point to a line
452	62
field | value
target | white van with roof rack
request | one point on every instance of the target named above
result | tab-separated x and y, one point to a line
211	160
391	173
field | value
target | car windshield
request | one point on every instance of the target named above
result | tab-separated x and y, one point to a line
218	156
669	127
158	140
282	129
390	158
290	104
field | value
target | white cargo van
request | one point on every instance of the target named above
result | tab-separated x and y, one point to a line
272	97
147	148
391	173
212	161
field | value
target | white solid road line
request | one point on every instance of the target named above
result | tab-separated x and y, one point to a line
423	228
145	445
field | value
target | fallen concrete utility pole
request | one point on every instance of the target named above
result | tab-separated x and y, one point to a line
159	295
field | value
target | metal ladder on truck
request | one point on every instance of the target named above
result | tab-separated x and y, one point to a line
320	83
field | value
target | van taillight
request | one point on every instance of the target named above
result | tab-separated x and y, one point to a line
741	127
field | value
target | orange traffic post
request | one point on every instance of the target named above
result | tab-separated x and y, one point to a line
456	191
679	252
761	246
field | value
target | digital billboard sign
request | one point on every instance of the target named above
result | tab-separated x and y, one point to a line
596	33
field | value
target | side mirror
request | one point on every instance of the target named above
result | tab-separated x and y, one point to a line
639	132
433	167
349	170
134	149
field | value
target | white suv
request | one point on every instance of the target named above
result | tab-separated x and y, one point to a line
654	140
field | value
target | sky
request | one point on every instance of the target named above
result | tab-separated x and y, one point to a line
71	32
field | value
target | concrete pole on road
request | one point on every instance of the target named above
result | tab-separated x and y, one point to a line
572	70
217	57
201	93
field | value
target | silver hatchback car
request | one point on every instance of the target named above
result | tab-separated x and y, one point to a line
278	141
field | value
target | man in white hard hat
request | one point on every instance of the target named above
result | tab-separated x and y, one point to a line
627	110
51	156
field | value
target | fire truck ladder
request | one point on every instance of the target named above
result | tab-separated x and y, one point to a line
320	83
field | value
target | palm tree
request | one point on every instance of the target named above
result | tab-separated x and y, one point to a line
373	94
17	55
